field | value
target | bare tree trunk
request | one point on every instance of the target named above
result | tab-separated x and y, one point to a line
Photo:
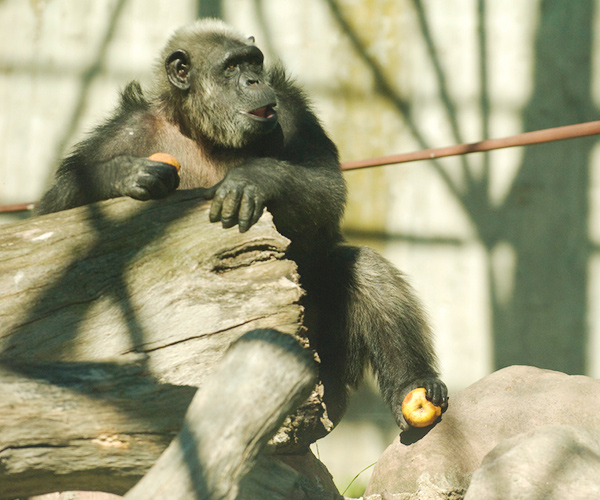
106	311
155	278
263	378
89	426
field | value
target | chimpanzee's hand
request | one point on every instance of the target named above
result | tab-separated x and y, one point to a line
146	179
436	392
236	201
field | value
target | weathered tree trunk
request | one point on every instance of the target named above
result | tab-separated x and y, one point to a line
265	376
90	426
101	305
155	279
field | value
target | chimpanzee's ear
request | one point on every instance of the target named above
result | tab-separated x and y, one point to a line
178	67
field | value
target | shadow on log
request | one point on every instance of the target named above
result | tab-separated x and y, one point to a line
262	379
92	426
153	278
129	302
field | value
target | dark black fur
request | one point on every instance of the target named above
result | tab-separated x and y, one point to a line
359	309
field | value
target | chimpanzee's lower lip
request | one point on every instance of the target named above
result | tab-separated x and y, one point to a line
264	113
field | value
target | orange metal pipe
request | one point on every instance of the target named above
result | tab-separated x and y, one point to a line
16	207
526	139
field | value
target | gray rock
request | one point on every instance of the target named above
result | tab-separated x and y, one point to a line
502	405
549	463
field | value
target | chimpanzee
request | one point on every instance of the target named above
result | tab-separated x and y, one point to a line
248	135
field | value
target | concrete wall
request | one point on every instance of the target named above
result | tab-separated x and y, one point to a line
502	247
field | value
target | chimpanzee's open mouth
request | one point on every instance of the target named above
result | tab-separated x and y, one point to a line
264	113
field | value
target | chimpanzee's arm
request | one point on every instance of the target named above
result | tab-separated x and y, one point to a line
373	311
301	184
80	184
111	162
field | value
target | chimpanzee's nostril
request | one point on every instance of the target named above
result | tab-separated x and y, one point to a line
251	81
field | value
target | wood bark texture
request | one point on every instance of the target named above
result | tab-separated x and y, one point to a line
89	426
153	278
229	422
108	314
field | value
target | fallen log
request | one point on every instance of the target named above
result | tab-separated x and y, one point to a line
229	423
91	426
155	278
121	284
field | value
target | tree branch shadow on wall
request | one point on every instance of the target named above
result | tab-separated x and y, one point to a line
545	216
87	79
209	8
